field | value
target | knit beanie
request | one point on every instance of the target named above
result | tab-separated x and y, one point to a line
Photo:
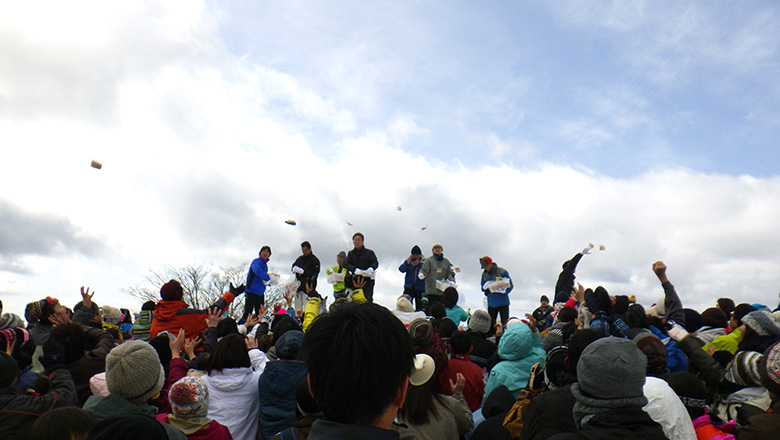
436	244
658	309
403	304
9	369
111	315
33	311
745	369
611	368
421	331
770	369
479	321
741	310
134	371
651	346
714	317
189	397
10	320
762	322
416	250
171	291
97	384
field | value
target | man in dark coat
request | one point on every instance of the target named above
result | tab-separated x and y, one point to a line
361	258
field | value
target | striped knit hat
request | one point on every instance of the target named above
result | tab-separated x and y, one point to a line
745	369
770	369
189	397
10	320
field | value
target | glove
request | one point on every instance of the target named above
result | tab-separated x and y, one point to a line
297	270
53	355
586	251
237	290
421	276
370	270
676	332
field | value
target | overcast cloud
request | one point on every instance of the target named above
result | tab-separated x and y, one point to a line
520	131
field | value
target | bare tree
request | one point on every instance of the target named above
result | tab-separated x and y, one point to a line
202	285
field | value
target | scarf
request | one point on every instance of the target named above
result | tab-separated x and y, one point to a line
189	425
439	257
586	407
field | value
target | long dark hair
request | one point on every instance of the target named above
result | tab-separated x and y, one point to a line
420	405
230	352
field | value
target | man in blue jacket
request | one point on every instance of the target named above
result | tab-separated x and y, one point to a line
413	285
256	281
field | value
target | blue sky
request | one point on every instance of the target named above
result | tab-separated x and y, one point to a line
520	130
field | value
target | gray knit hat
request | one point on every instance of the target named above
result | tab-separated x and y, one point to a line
479	321
134	371
612	368
762	322
10	320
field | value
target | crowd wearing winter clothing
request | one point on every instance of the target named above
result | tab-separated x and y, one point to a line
588	365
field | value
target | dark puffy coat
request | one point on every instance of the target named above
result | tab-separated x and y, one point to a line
19	411
277	395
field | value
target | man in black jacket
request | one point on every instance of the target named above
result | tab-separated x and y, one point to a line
363	259
306	269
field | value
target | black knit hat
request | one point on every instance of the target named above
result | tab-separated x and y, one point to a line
416	250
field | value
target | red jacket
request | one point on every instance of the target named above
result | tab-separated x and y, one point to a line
175	315
475	380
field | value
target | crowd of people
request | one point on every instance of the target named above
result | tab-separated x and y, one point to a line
587	365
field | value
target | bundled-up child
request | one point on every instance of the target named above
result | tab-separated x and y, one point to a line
189	399
451	307
460	363
143	323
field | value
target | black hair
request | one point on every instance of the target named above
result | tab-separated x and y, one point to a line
126	316
727	305
306	244
162	346
578	342
359	234
148	305
230	352
227	326
567	314
447	327
450	297
202	361
365	335
436	310
62	424
460	342
281	324
740	311
71	335
266	247
420	405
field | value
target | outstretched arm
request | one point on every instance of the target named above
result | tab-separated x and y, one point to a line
672	301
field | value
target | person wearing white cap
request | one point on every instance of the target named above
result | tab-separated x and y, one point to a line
431	414
436	268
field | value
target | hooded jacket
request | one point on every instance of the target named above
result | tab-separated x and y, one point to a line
276	389
519	350
233	397
175	315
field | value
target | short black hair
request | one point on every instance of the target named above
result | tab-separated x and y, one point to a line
367	337
460	342
567	314
436	310
71	335
63	423
359	234
230	352
264	248
227	326
447	327
306	244
148	305
450	297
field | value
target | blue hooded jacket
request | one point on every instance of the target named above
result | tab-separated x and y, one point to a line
519	350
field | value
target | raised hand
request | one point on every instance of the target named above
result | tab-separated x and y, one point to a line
530	321
86	298
213	319
458	385
177	343
359	282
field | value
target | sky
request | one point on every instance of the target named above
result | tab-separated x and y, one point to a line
518	130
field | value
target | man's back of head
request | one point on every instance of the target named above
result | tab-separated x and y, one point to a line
359	358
